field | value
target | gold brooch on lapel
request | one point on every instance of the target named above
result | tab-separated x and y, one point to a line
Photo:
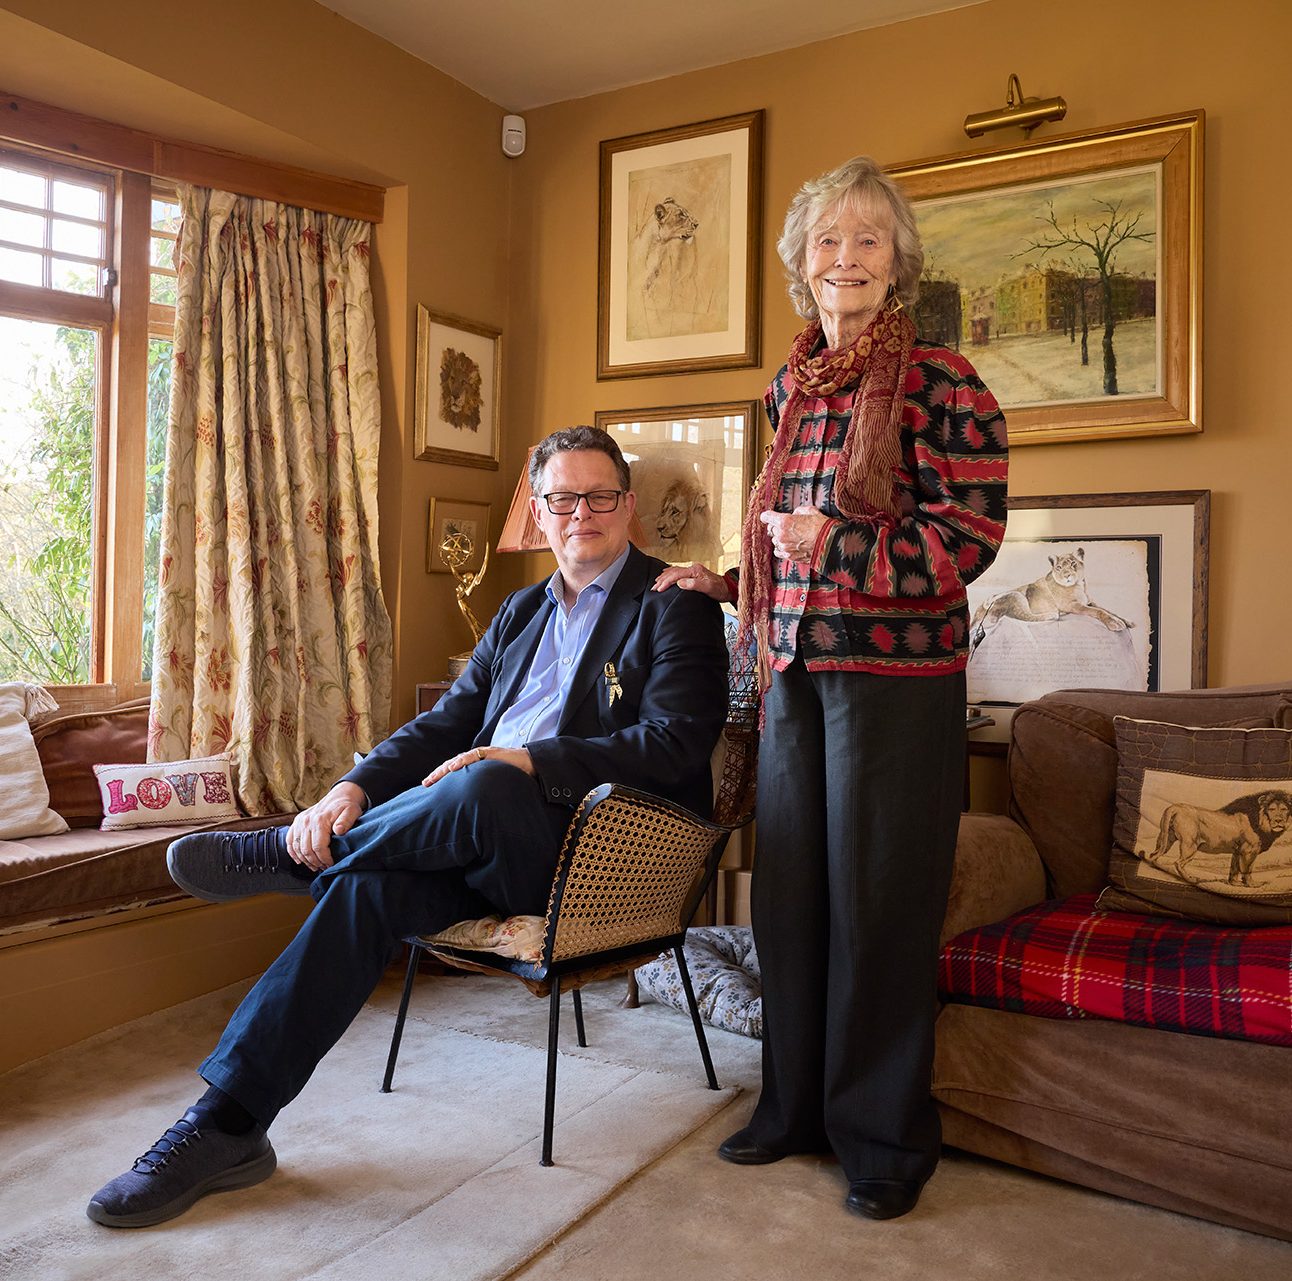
613	688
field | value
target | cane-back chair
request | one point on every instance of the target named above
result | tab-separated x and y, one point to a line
632	872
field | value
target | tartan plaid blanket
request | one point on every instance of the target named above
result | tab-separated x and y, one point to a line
1064	959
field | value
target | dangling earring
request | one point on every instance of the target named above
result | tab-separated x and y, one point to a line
894	303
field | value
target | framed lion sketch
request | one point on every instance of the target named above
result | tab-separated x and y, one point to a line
692	467
1090	591
459	374
680	249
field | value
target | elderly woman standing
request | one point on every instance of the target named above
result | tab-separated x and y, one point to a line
882	497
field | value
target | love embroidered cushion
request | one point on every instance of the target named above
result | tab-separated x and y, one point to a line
1203	823
166	793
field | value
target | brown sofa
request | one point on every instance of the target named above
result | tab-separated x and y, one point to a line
1196	1124
84	873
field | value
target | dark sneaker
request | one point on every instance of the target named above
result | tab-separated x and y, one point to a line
191	1159
222	866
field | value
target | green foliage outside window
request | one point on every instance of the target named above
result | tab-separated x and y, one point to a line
46	521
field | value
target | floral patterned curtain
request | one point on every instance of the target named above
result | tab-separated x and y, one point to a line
273	640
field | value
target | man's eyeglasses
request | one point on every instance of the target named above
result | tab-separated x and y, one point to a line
564	503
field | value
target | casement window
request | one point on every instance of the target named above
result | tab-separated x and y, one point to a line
87	292
87	295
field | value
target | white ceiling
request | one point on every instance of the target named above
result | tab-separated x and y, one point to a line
527	53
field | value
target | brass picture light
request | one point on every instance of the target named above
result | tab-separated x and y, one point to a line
1017	113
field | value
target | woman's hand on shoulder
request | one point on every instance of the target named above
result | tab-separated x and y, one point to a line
694	578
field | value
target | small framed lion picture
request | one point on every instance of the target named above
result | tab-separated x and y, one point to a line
459	377
1090	591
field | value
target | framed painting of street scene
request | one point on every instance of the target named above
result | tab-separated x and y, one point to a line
692	466
1090	591
680	249
1069	272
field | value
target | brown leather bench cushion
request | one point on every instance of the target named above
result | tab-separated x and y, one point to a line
49	880
71	746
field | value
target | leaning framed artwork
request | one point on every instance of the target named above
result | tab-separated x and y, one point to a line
1069	272
680	249
463	528
1090	591
692	466
459	377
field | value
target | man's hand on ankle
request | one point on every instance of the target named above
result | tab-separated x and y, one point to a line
309	839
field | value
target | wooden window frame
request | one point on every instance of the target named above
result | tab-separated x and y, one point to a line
127	319
120	429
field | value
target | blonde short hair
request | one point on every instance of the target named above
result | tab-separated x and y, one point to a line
860	183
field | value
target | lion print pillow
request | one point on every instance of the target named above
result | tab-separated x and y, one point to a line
1203	825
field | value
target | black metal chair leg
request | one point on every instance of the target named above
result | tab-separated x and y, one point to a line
549	1108
578	1019
695	1017
415	952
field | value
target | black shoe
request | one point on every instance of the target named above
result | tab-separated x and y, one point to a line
741	1149
223	866
191	1159
883	1198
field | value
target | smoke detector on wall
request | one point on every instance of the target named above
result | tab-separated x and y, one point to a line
513	135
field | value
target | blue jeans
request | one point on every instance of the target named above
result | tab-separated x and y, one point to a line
481	840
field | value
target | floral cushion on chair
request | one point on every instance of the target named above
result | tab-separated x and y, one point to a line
519	937
723	964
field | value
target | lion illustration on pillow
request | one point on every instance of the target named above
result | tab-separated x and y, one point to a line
1242	829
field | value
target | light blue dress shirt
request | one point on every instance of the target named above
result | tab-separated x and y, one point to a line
536	713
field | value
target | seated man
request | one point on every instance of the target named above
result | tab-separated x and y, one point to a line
588	678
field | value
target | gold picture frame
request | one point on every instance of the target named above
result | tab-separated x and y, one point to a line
445	516
692	466
456	408
1028	246
680	249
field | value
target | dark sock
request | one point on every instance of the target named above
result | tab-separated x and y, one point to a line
224	1112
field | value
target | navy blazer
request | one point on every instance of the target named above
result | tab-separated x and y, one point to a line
670	656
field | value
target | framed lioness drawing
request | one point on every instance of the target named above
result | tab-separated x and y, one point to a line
680	249
1090	591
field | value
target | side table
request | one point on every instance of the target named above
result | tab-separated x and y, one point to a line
429	693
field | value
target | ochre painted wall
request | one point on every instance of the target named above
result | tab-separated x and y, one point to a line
292	81
900	93
514	242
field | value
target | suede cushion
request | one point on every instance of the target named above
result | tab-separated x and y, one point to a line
70	745
1192	1123
1203	825
1063	766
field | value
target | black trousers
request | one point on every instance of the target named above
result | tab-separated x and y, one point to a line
860	782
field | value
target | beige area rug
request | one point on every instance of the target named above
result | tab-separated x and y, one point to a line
439	1179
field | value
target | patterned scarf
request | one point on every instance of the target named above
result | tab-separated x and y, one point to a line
865	485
